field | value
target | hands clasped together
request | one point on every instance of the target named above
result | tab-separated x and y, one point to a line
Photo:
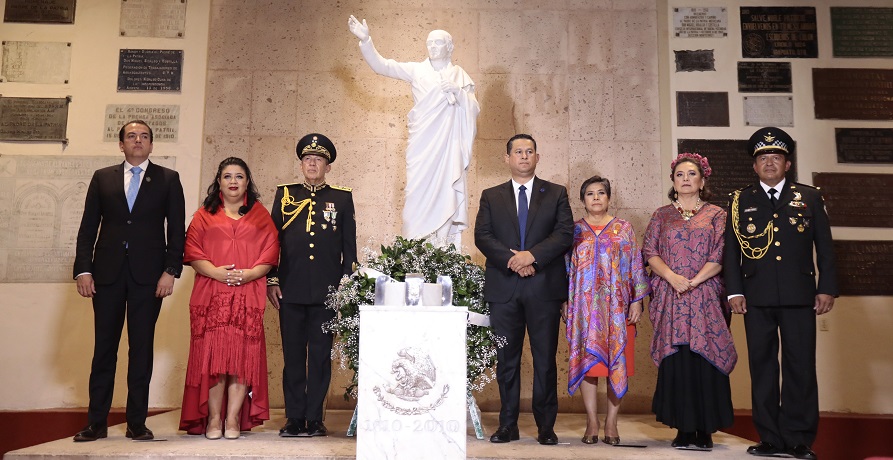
232	276
522	263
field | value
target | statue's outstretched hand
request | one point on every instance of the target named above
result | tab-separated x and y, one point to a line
360	29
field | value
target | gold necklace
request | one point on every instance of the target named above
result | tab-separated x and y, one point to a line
688	214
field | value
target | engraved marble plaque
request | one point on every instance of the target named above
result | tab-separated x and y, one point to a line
710	22
778	32
864	145
732	165
164	120
41	11
853	94
695	61
153	18
862	32
863	267
34	119
857	200
768	110
695	108
764	77
150	70
41	207
36	62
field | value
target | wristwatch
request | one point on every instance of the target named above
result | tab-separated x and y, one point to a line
172	271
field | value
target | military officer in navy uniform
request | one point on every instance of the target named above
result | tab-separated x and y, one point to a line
318	239
770	274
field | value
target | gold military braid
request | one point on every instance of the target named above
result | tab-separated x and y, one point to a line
288	200
749	252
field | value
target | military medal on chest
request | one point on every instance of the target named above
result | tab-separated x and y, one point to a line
330	214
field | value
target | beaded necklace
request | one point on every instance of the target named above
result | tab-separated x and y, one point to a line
688	214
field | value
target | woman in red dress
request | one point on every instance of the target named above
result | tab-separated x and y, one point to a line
231	244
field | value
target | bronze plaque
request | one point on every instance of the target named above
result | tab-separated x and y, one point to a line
732	165
863	267
862	32
42	11
778	32
694	61
857	200
150	70
695	108
853	94
34	119
864	145
764	77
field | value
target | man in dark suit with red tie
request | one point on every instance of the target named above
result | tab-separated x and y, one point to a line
127	271
524	227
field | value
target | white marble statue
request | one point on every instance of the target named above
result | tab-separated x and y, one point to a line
442	126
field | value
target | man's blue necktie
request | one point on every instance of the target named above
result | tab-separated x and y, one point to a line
134	186
522	214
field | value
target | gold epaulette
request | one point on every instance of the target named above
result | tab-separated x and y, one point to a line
286	185
343	189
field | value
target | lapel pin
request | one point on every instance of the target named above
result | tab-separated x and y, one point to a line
148	179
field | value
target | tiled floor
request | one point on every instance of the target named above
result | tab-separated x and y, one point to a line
264	443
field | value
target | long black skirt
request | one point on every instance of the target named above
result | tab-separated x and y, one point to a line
691	394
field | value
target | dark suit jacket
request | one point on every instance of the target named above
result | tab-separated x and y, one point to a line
786	274
141	232
311	261
550	233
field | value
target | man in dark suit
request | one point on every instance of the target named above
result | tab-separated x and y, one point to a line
770	277
127	271
524	227
318	240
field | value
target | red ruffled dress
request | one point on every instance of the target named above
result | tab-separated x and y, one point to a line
227	322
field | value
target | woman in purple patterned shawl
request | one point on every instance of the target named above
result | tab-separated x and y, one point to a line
606	289
692	345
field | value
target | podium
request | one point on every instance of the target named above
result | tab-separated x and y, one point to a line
412	388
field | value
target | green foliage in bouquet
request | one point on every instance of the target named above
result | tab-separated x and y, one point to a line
414	256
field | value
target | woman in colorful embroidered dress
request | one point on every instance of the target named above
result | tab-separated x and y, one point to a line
692	345
607	285
232	244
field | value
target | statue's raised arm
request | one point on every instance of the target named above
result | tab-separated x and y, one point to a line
442	126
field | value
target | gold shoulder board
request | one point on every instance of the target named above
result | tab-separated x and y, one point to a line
344	189
287	185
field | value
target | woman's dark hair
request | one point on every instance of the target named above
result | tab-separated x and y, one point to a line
212	201
705	193
595	180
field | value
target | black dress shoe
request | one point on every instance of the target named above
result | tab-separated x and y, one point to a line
547	438
139	433
764	449
92	432
505	434
703	440
294	427
316	428
802	451
683	439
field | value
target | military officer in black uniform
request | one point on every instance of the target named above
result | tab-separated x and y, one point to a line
770	277
318	239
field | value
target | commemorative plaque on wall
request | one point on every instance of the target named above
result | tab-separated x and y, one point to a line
164	120
36	62
694	61
863	267
34	119
864	145
153	18
764	77
853	94
862	32
778	32
150	70
40	11
697	108
857	200
768	110
710	22
732	165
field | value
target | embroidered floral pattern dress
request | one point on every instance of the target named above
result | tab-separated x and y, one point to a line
698	318
606	275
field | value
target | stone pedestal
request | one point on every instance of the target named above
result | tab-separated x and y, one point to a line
412	389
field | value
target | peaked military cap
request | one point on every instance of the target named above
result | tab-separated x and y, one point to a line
316	144
770	140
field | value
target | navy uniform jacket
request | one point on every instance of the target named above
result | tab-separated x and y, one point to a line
783	270
318	240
